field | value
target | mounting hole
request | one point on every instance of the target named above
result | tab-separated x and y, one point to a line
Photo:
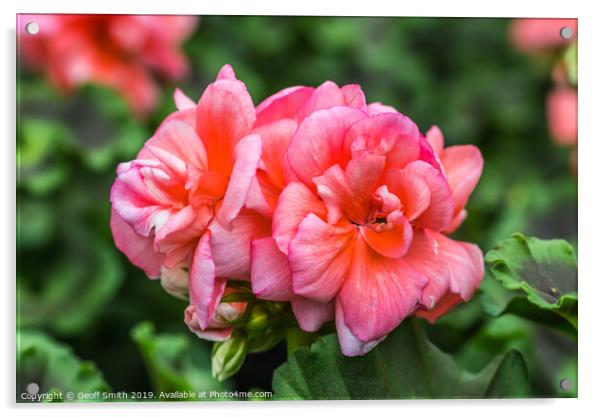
565	384
33	388
566	32
32	28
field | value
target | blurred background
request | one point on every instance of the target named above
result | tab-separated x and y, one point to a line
87	318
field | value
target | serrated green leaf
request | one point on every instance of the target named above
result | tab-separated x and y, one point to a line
53	367
175	362
541	276
406	365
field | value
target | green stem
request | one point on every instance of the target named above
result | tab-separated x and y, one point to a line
297	338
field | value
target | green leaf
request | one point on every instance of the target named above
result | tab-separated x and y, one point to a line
70	293
174	362
539	278
53	367
405	365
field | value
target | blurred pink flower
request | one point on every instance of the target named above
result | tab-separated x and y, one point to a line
116	51
534	35
178	207
562	115
359	204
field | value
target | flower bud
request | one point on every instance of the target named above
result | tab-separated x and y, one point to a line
259	319
175	281
228	356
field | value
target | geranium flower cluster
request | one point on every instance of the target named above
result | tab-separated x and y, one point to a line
314	197
122	52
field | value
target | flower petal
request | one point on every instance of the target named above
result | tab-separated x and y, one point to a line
285	104
275	138
316	145
424	257
413	192
319	256
435	138
389	134
311	315
295	202
463	167
351	345
226	73
270	272
183	102
225	114
354	97
327	95
205	288
445	304
231	248
246	158
213	335
391	239
378	293
138	249
439	213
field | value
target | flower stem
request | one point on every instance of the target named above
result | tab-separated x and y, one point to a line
297	338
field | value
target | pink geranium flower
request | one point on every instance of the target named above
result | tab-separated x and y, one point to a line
360	203
562	115
117	51
536	35
178	207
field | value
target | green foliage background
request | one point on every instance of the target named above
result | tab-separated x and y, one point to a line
76	290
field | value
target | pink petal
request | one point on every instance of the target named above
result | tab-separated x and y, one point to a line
275	138
439	213
183	102
295	202
138	249
285	104
327	95
413	192
350	191
205	289
354	97
176	144
319	257
390	134
311	315
378	293
225	114
350	344
226	73
435	138
262	197
456	222
445	304
463	167
213	335
317	143
424	257
465	262
231	248
378	108
391	239
270	273
246	158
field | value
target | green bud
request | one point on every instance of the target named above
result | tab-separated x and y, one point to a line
227	357
258	320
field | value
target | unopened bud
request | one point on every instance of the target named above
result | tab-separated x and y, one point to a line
227	357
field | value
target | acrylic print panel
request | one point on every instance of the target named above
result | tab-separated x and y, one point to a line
286	208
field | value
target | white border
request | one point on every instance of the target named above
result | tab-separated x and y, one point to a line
590	206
